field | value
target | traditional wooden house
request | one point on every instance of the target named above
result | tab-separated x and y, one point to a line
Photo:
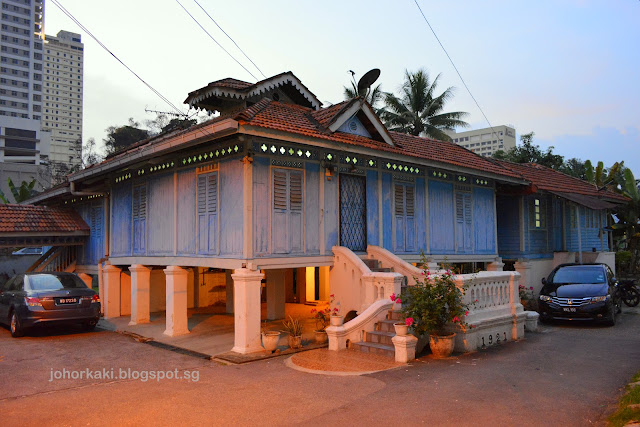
555	219
311	199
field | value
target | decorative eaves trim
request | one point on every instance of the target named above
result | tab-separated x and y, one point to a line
368	112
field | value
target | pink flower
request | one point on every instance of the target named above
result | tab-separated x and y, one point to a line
423	273
332	295
466	313
531	288
392	297
335	310
472	326
476	301
455	319
409	321
313	310
398	301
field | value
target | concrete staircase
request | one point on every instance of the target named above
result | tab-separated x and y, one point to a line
374	266
379	341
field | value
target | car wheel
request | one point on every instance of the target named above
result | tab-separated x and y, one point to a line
15	326
611	319
90	325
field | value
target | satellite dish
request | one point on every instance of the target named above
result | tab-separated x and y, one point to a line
367	80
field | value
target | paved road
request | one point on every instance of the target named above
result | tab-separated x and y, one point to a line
568	375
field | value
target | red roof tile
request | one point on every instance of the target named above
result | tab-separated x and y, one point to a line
297	119
39	219
548	179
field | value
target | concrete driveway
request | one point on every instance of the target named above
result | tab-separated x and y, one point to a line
565	375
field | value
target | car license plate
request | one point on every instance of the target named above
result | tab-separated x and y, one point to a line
569	309
61	301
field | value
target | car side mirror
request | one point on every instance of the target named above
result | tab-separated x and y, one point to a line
544	280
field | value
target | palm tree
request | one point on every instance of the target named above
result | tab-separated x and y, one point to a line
418	111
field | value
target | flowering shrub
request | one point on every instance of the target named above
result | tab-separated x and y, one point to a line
525	293
321	317
433	302
336	305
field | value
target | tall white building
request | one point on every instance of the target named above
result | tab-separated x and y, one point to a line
24	147
486	141
62	96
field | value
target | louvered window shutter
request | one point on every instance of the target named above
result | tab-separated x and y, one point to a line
208	213
280	190
212	194
459	208
202	194
399	199
295	191
410	201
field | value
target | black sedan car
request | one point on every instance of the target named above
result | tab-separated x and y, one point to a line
32	299
580	292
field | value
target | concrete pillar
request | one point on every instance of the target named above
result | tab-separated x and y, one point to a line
88	280
405	346
496	265
246	299
524	268
177	320
140	294
229	293
111	279
101	287
275	294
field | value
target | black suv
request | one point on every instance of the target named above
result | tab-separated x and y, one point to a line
580	292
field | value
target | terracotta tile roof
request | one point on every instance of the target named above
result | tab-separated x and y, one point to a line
231	83
325	116
547	179
39	219
300	120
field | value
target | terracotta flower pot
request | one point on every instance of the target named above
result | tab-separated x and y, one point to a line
321	336
270	340
337	320
401	328
295	342
442	345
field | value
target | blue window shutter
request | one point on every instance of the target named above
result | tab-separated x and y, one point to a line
139	218
280	230
207	200
295	211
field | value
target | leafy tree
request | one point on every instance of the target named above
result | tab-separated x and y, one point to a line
178	124
89	154
418	110
629	215
575	167
528	152
119	138
372	96
24	192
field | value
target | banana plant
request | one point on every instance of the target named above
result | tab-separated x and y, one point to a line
24	192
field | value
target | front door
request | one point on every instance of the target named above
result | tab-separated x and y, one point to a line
353	212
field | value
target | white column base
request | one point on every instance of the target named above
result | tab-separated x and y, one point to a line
140	294
246	305
405	346
177	319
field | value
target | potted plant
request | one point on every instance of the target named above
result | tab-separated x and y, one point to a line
322	321
433	303
270	340
402	326
336	318
526	297
293	327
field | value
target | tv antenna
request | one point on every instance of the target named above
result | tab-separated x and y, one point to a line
168	113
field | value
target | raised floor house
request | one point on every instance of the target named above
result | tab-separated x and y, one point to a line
310	200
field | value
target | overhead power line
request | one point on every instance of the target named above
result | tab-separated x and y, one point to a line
454	65
215	41
230	38
86	30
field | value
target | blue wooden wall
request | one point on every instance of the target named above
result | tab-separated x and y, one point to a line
160	215
121	219
441	217
484	221
93	214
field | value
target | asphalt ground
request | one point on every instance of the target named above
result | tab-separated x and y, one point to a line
567	374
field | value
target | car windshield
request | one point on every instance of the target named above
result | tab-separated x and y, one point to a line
50	282
580	274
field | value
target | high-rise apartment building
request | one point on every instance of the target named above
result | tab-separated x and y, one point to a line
62	97
486	141
24	147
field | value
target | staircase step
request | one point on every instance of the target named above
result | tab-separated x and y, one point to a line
375	348
396	315
371	263
386	326
380	337
382	270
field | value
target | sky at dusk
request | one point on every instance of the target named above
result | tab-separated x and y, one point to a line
567	70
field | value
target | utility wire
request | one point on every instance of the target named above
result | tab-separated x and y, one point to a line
454	66
86	30
216	42
230	38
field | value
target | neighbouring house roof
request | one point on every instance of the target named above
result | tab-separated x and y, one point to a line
563	185
238	89
39	219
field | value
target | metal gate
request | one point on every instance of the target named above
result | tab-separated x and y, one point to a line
353	212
